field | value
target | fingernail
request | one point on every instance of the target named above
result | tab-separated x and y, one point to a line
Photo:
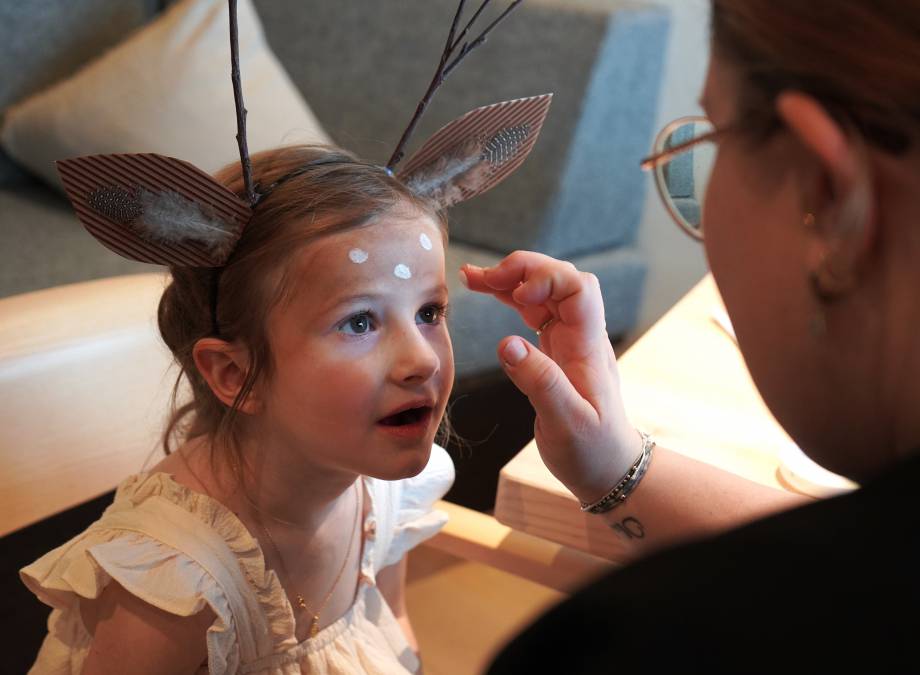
463	278
514	352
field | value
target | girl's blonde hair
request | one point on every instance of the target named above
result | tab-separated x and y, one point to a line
328	191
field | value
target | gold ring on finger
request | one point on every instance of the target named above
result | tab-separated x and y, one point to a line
546	324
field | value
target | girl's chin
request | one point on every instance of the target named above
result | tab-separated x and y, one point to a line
407	464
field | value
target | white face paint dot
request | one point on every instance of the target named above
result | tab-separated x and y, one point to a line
357	256
424	241
402	271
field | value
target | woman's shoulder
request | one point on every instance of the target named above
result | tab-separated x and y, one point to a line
807	577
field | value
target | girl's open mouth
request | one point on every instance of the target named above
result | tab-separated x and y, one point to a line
412	424
410	417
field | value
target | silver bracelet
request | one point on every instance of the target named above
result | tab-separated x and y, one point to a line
627	483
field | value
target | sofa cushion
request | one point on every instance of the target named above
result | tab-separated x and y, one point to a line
166	89
45	246
10	172
50	39
581	189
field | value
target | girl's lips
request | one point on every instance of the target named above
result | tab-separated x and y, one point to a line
412	423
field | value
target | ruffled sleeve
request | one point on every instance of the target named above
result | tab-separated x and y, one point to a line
163	544
414	518
157	574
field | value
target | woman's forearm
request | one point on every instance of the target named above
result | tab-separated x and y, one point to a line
680	498
582	430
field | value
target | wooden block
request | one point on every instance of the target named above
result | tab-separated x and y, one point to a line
478	537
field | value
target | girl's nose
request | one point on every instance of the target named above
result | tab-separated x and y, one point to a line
415	357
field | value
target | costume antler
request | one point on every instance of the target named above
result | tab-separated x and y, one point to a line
447	64
474	153
155	209
163	210
241	112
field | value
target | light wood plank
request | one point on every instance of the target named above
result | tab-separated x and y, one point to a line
84	385
463	612
481	538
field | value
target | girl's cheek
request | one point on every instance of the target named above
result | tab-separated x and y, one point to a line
350	345
447	351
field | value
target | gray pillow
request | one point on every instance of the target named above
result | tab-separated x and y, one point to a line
164	89
42	41
10	172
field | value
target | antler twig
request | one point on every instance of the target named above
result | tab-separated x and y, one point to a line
240	107
447	63
468	47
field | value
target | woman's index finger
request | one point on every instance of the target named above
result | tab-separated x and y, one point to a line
509	273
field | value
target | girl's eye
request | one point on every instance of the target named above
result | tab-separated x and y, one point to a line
357	324
431	314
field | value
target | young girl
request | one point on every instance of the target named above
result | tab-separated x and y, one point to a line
273	539
306	311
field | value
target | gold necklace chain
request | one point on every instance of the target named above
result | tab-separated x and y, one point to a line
282	521
301	602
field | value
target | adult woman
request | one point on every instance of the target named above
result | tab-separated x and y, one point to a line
811	238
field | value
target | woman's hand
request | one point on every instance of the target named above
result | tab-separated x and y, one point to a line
572	381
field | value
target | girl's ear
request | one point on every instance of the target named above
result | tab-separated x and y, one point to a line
224	367
840	206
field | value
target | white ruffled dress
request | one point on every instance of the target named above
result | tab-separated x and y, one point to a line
180	550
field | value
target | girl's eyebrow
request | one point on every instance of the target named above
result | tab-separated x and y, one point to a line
349	299
436	289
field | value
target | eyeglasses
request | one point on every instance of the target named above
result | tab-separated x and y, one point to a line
684	154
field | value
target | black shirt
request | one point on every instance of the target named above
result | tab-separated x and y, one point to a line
833	586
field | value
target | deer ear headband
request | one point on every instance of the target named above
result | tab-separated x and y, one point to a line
161	210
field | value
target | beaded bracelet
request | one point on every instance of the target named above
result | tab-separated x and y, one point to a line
627	484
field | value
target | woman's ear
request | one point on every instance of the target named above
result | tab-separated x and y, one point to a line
224	367
840	210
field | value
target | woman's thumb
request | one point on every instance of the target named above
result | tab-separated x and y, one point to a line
540	379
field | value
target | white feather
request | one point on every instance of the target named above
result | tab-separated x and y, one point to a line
171	218
431	179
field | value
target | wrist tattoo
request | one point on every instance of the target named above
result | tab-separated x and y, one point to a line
630	528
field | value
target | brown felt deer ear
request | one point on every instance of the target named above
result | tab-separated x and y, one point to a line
476	152
155	209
